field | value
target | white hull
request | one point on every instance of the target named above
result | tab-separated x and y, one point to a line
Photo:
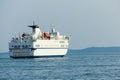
50	52
39	44
39	53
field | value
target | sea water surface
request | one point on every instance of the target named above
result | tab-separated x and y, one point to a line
74	66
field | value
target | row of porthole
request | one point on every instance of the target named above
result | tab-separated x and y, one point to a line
18	46
47	45
51	45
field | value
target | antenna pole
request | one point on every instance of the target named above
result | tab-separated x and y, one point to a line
33	23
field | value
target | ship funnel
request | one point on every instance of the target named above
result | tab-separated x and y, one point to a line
36	31
33	27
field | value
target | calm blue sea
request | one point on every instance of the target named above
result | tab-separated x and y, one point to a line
74	66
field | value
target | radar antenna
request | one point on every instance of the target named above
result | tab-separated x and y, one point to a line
33	26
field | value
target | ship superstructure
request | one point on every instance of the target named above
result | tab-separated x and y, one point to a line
39	44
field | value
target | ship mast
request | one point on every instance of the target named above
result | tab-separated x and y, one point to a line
33	23
33	26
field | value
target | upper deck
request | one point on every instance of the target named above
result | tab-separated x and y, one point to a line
37	34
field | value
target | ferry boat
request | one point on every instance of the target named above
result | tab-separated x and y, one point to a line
39	44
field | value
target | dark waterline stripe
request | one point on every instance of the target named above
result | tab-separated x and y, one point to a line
38	56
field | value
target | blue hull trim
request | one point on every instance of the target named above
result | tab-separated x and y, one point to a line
38	56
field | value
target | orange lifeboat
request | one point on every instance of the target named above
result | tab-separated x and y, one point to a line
46	35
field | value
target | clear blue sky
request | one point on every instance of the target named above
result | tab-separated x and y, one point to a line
90	22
